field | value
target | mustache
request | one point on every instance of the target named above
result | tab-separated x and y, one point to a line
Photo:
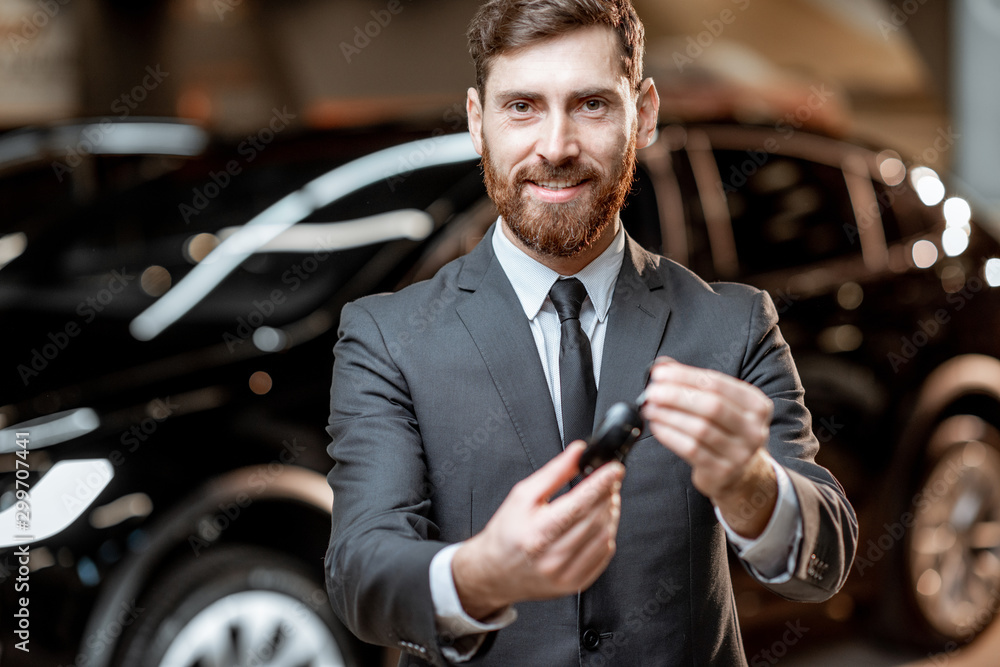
548	172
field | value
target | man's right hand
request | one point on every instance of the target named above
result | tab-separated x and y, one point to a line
533	549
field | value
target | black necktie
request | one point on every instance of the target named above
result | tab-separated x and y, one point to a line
576	364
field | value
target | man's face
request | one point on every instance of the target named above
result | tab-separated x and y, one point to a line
558	134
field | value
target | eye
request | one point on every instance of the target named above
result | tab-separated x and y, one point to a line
520	107
593	105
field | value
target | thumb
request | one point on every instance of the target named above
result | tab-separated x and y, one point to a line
555	474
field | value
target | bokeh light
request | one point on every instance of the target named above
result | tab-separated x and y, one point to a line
891	168
155	281
925	254
954	240
928	185
957	212
992	272
260	383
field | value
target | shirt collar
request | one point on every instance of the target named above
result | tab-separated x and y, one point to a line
532	280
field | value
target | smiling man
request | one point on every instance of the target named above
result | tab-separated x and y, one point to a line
489	553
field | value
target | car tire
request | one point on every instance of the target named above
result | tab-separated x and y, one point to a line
240	606
952	555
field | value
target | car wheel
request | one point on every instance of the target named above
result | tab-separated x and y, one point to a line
237	606
953	555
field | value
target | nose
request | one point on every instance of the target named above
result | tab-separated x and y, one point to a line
558	142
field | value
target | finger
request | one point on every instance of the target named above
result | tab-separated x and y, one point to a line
585	529
676	441
565	523
701	431
710	472
559	471
736	390
588	517
593	559
580	548
742	394
581	502
594	489
706	406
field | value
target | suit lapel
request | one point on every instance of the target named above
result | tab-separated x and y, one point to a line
494	318
636	325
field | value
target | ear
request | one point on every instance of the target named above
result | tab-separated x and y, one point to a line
648	106
474	108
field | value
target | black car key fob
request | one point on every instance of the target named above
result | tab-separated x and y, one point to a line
613	438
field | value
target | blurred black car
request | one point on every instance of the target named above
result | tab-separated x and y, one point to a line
169	306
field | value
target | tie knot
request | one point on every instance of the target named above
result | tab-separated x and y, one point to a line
567	296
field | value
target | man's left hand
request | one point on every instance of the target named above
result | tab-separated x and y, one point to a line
720	426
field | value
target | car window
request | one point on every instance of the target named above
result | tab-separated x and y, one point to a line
786	212
903	215
156	227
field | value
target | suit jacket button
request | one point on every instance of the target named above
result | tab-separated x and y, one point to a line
591	639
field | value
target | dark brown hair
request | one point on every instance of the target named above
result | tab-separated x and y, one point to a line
501	26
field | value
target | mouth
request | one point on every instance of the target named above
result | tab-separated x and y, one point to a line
557	191
557	185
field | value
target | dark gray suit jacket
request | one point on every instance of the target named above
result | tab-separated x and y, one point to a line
439	405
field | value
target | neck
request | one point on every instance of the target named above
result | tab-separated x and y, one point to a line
568	266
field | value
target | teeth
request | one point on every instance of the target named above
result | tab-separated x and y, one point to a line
557	185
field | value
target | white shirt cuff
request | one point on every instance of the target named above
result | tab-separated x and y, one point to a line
772	556
461	635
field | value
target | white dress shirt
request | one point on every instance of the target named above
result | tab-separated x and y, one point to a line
772	555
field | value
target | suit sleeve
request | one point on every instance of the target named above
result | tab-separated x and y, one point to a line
829	525
383	540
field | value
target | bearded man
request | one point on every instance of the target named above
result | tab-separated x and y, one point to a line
489	553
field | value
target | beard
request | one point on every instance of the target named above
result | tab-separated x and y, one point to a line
560	229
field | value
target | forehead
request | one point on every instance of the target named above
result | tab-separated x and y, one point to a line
581	59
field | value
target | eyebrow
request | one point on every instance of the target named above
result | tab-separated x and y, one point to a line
505	95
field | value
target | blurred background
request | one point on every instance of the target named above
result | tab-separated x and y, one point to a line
900	72
818	121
